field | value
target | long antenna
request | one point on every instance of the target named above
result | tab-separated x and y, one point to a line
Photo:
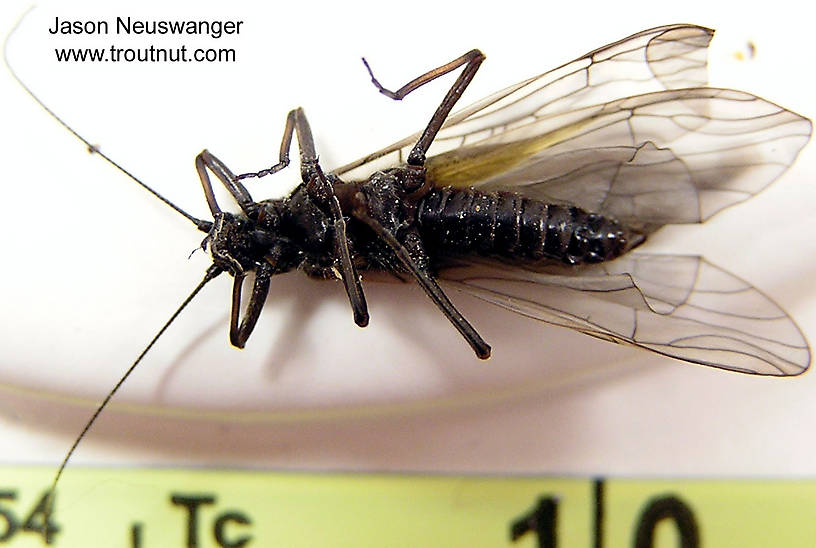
201	224
212	272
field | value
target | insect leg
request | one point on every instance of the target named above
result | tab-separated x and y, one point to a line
206	160
318	186
295	122
283	155
471	60
428	284
348	272
241	329
322	190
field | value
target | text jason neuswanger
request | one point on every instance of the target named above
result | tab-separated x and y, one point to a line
129	26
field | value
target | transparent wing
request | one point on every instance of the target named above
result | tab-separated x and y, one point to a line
625	131
676	156
678	306
668	57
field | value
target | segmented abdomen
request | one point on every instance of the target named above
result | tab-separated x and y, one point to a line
510	225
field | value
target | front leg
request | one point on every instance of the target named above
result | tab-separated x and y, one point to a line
241	329
318	187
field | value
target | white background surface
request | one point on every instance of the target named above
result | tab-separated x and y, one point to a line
92	265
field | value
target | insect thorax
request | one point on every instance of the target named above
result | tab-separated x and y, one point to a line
283	233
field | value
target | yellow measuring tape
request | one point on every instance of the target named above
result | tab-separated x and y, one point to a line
168	508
